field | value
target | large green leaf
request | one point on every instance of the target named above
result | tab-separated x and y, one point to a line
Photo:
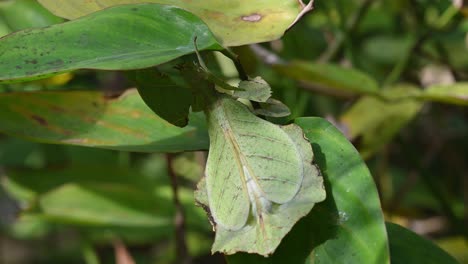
118	38
105	204
113	184
89	119
166	98
235	22
27	185
360	235
259	179
329	78
407	247
348	227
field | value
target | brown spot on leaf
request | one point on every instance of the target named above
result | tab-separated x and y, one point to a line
33	61
252	18
57	109
112	94
57	62
41	121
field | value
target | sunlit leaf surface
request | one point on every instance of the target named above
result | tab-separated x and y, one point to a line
235	23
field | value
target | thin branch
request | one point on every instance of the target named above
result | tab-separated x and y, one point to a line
350	28
266	56
182	255
235	58
404	63
122	256
305	9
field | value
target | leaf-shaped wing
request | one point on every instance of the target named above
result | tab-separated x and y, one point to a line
273	108
256	89
265	236
252	163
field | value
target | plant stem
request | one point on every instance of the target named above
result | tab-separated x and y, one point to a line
404	63
182	255
235	58
89	254
122	256
349	29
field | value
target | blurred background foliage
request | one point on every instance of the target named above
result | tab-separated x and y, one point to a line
372	67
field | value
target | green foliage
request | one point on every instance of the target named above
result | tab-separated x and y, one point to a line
86	118
234	23
329	77
77	44
164	96
351	214
408	247
278	186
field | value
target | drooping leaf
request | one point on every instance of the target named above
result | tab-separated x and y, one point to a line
408	247
235	22
452	94
377	121
119	38
259	179
195	79
273	108
256	89
89	119
353	208
166	98
329	78
348	227
106	204
28	185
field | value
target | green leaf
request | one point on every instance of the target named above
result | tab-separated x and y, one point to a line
28	185
259	179
235	22
30	226
329	78
256	89
32	15
273	108
348	227
408	248
4	28
354	205
452	94
89	119
166	98
105	205
377	121
118	38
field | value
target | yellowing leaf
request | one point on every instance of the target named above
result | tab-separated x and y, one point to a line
453	94
86	118
235	22
377	121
